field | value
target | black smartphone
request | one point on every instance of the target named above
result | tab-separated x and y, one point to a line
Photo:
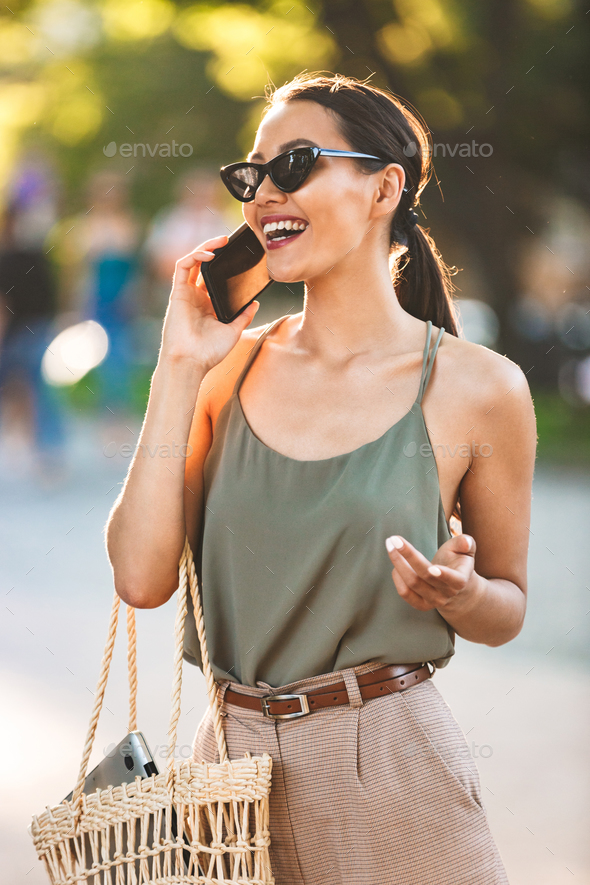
237	275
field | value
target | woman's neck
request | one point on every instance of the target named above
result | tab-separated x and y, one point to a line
354	309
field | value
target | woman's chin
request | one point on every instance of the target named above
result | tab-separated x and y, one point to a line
286	275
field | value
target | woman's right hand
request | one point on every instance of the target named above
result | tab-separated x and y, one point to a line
192	331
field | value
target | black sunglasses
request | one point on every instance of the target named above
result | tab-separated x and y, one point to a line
287	171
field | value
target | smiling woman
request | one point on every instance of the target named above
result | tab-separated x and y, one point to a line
318	499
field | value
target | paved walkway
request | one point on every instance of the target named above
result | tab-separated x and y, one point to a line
523	706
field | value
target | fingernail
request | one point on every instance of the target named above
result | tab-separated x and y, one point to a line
394	543
434	570
470	541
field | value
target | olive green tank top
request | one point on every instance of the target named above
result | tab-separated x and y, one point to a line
294	574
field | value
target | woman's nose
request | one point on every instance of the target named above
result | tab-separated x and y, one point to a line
267	190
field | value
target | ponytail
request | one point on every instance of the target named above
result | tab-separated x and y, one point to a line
421	278
373	121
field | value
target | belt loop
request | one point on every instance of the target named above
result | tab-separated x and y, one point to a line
352	687
221	687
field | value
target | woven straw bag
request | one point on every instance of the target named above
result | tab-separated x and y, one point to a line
124	835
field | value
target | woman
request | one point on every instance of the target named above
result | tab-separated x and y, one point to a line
325	449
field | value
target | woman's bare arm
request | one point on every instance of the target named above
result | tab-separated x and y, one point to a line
480	588
496	511
146	528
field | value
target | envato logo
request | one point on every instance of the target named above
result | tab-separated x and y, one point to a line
462	150
463	451
162	150
464	751
184	751
168	450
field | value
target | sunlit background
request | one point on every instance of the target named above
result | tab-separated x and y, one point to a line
114	119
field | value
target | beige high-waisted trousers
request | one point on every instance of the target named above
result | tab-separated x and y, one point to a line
380	792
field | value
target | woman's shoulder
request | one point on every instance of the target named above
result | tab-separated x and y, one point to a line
479	392
219	382
477	370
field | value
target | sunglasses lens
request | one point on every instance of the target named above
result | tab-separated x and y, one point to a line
292	169
243	182
288	173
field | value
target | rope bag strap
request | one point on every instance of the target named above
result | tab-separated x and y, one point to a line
187	578
188	575
132	667
207	671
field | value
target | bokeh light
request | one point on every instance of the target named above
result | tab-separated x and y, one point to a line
478	321
74	352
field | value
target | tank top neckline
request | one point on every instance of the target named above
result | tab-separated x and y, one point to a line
425	377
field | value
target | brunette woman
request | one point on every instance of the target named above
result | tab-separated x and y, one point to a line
328	451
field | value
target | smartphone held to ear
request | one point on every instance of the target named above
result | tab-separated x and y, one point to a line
237	275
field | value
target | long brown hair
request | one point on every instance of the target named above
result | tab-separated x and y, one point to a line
375	122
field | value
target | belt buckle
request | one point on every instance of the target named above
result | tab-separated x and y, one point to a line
302	698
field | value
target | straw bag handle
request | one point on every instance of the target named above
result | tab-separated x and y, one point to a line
187	575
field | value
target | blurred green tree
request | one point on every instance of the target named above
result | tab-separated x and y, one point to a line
512	74
509	75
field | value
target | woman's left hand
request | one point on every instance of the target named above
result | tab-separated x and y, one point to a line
449	578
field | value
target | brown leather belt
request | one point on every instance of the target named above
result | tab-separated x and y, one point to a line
379	683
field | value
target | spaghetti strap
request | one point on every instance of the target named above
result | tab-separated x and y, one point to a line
255	348
428	359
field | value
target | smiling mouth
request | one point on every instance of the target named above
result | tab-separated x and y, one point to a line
281	232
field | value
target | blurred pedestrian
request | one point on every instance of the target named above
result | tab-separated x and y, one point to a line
107	238
28	294
196	215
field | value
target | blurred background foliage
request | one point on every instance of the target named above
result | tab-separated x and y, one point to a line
509	76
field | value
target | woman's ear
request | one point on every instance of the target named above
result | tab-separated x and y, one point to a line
390	184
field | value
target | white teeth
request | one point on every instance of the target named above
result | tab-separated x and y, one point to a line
284	225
